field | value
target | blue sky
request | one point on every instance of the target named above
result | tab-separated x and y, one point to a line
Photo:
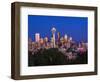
76	27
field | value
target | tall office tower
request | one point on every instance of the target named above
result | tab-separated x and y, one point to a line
65	37
29	44
58	36
62	39
46	39
53	30
70	38
41	41
37	37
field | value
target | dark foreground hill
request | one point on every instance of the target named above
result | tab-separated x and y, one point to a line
53	56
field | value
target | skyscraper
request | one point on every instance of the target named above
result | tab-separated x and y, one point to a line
58	36
70	38
65	37
53	33
30	44
37	37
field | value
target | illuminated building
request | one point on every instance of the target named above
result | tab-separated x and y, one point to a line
37	37
46	39
70	38
58	36
41	41
65	37
29	44
53	33
62	40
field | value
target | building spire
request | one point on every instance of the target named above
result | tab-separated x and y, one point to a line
53	30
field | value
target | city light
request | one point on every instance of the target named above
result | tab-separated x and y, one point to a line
64	44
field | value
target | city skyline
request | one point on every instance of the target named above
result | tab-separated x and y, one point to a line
44	27
54	36
57	40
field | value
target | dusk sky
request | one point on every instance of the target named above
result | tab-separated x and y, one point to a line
76	27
